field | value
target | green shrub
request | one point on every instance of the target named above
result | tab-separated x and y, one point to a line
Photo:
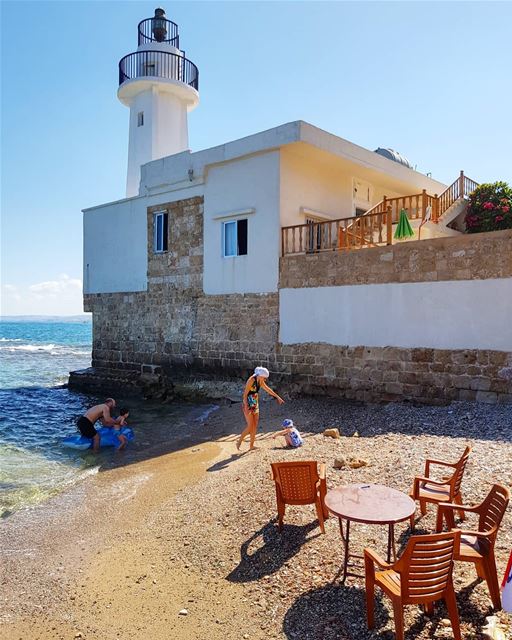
490	208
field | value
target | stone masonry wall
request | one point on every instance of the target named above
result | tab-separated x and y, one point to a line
389	373
173	330
465	257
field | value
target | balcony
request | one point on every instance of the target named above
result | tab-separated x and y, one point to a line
158	64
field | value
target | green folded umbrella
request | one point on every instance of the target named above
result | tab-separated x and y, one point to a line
403	229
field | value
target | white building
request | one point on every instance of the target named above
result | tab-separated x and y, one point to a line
292	190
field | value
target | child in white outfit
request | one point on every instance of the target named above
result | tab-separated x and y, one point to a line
290	433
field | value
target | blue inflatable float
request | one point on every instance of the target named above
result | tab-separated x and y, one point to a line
108	438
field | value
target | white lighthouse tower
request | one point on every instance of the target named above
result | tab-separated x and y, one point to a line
160	86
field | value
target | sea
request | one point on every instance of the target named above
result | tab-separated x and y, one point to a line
37	410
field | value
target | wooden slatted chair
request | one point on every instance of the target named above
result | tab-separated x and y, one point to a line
422	575
425	489
477	546
300	483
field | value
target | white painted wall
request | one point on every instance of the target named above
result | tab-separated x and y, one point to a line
463	314
247	183
115	256
115	242
164	132
324	183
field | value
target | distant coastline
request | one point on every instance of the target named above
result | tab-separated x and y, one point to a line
85	317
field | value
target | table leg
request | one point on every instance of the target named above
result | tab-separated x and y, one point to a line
346	538
391	542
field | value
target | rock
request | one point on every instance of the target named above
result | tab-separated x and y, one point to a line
332	433
183	612
356	463
355	434
339	463
446	623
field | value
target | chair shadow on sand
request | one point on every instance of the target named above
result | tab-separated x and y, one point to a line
332	612
277	549
338	612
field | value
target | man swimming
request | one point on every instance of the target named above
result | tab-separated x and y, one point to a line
86	422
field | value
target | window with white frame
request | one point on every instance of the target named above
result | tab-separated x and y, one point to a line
234	238
160	231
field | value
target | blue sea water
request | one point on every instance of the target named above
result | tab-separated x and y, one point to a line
36	411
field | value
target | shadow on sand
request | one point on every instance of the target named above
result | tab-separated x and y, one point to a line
332	612
277	549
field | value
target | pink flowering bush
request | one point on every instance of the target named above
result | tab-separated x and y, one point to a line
490	208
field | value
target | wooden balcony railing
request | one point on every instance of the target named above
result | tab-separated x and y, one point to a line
370	230
374	227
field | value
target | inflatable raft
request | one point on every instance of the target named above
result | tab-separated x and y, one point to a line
108	438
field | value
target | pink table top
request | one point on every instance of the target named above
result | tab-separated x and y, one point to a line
369	503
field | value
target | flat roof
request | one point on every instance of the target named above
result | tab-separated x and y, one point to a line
173	169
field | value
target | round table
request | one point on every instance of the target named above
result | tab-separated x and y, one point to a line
369	504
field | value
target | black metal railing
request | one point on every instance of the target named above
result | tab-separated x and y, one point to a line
158	64
159	30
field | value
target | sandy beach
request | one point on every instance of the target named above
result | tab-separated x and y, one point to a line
183	543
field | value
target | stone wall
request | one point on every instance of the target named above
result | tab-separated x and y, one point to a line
173	331
390	373
464	257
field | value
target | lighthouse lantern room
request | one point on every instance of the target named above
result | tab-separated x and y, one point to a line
160	85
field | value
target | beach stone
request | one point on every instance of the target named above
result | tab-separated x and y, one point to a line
446	623
356	463
332	433
183	612
339	463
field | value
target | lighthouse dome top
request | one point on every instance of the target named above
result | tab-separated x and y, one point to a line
159	29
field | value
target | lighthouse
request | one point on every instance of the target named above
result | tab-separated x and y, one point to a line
160	86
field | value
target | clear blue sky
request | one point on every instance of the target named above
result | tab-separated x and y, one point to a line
430	79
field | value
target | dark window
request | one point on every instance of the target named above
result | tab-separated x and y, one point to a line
242	237
140	119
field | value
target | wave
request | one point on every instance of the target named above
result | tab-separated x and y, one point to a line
51	349
11	339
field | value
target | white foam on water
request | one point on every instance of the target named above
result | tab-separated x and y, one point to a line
48	349
125	489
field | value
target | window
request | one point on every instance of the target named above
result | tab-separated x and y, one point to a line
140	119
160	232
234	238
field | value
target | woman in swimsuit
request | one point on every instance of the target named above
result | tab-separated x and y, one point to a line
250	404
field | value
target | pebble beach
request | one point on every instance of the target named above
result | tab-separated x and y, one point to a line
184	544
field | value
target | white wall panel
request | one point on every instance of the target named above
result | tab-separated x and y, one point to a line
463	314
